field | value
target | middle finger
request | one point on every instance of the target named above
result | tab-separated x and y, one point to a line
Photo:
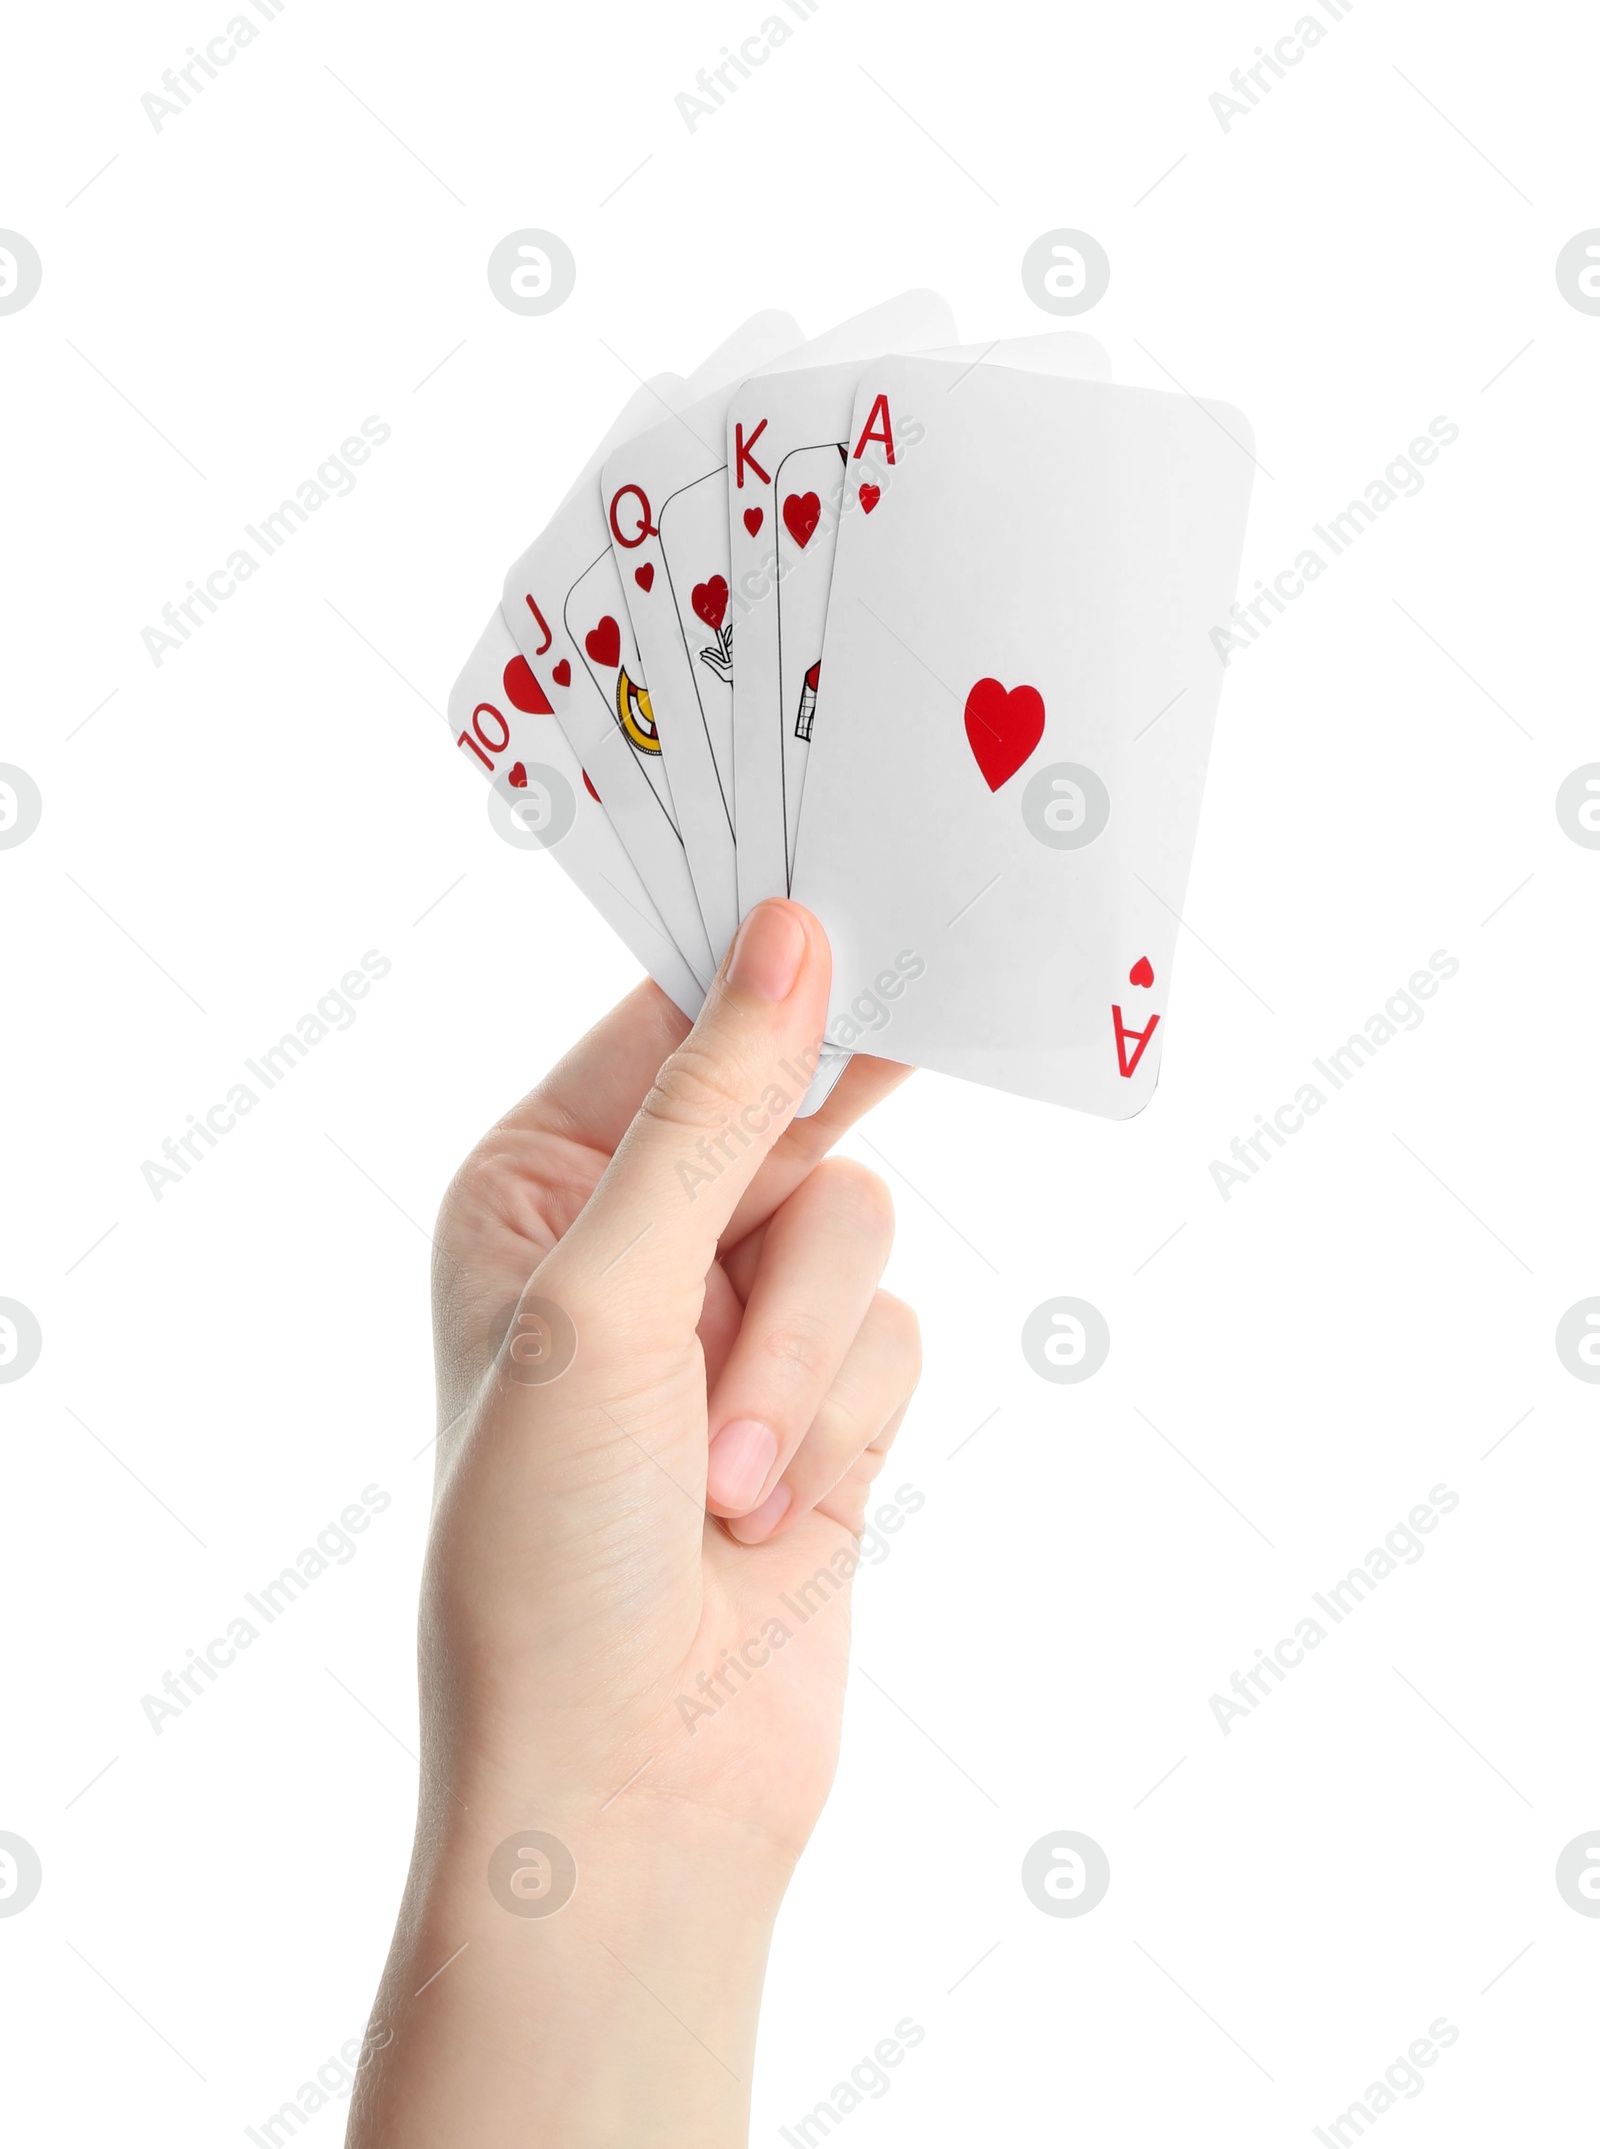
821	1256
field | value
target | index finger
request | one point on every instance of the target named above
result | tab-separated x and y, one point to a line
805	1142
593	1093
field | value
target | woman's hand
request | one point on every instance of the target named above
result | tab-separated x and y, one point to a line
648	1314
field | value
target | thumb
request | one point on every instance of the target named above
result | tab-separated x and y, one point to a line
649	1233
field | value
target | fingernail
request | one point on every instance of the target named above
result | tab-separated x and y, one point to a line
768	950
755	1529
738	1461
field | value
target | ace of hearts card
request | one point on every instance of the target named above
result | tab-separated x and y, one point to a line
988	787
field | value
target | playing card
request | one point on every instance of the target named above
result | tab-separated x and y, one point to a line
563	602
647	401
666	493
1017	695
1063	351
782	548
542	800
784	506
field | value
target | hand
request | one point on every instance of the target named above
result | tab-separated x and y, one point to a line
698	1334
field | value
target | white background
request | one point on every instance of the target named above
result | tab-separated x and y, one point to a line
229	832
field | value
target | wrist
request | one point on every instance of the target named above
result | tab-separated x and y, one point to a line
603	1967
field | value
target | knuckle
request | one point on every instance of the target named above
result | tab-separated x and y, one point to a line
877	1453
904	1332
872	1459
498	1184
476	1190
798	1347
696	1091
860	1199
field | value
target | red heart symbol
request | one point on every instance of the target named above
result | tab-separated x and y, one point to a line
753	519
1141	973
518	779
710	601
644	575
561	673
1003	728
802	511
604	643
524	690
589	787
870	495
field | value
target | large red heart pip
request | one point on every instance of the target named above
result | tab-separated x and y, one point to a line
802	511
710	601
604	642
524	690
1003	728
753	518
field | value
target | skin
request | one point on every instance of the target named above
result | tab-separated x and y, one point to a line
605	1540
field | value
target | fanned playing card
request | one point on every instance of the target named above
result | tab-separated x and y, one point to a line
996	828
629	503
975	595
787	450
666	493
544	800
543	797
563	602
